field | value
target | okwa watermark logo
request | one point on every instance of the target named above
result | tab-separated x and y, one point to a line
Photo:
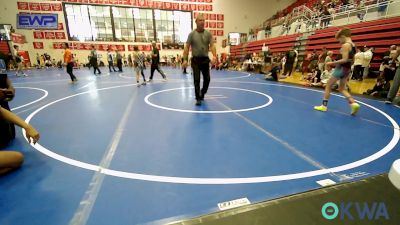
355	211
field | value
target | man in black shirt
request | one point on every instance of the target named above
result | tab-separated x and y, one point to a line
290	58
155	61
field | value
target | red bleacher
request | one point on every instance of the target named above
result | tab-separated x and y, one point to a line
276	45
4	48
379	34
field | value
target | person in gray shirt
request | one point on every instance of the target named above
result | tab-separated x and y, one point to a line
201	41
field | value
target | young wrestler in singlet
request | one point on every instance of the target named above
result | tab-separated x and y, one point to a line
342	71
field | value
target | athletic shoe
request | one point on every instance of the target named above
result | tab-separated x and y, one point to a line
150	80
388	101
354	108
321	108
144	83
201	97
17	75
25	75
198	102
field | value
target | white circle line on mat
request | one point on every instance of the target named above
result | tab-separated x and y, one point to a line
32	102
147	100
218	181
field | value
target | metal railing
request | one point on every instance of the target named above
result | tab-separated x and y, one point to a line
373	10
310	17
365	13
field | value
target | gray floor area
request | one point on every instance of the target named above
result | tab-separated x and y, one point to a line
305	208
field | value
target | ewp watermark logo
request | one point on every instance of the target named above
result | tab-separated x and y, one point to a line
355	211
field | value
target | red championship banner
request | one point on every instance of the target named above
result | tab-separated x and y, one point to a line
205	24
93	1
34	6
195	14
200	0
60	26
212	24
99	47
38	45
213	32
192	0
45	6
60	35
80	46
185	6
87	46
208	8
220	17
201	7
56	7
38	35
208	1
220	25
193	7
23	5
175	6
120	47
105	47
18	38
85	1
76	45
49	35
130	48
142	3
213	16
220	33
58	45
168	5
150	3
158	5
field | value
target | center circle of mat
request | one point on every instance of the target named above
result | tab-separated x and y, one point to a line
147	100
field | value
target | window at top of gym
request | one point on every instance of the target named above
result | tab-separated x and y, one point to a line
123	24
111	23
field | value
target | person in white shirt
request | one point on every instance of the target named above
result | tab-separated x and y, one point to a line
358	61
367	60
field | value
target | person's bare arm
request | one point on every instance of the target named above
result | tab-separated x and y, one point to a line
31	132
213	50
185	55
